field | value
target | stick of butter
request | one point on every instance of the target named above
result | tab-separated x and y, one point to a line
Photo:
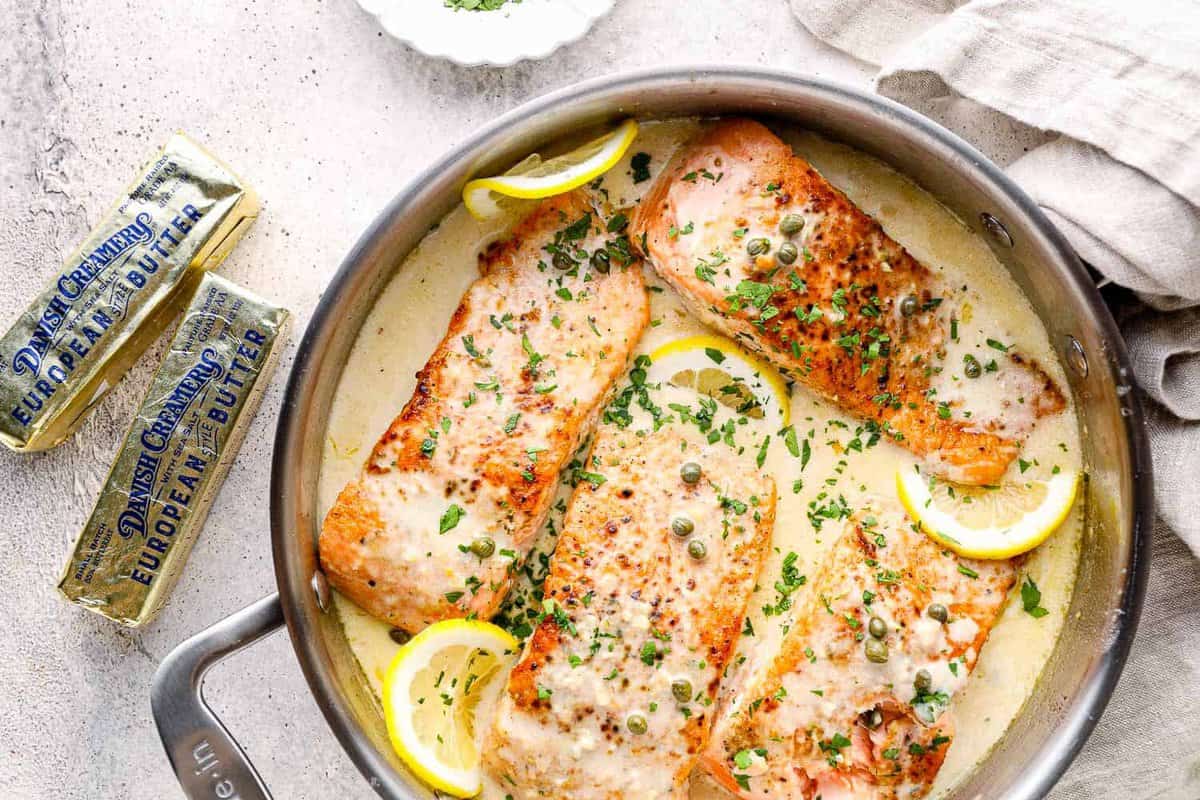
116	293
176	454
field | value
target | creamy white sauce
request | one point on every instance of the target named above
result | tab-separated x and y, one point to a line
411	315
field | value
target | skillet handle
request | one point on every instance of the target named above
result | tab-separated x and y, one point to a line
209	764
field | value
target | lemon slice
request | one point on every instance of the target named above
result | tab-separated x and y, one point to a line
988	522
717	367
431	692
533	178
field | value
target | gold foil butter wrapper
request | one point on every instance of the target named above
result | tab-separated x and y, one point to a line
176	454
116	293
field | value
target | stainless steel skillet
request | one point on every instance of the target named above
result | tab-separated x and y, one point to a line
1087	660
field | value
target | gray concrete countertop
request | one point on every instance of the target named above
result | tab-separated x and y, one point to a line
328	118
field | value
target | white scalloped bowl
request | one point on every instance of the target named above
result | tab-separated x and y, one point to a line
529	29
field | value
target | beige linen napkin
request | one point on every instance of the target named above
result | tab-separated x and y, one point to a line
1093	107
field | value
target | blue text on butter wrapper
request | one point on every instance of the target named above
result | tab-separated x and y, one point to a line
32	357
157	436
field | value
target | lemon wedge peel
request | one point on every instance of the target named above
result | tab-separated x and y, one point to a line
553	176
992	542
760	378
461	780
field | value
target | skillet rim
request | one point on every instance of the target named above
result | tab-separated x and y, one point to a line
1095	690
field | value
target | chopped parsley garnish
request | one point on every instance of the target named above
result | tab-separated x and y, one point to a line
838	300
707	270
789	441
761	458
1031	599
833	747
535	357
469	345
476	5
808	317
451	517
928	706
752	292
594	478
789	581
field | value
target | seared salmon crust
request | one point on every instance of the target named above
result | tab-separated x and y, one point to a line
614	695
840	711
835	319
454	492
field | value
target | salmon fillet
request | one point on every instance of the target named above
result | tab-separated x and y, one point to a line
835	319
820	719
499	409
628	612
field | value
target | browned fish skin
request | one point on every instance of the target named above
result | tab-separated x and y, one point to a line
499	409
739	178
631	613
822	745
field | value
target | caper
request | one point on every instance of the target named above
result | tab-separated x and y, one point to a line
922	681
971	366
787	253
483	547
682	526
758	247
696	549
877	627
939	612
563	261
636	724
600	261
399	636
877	652
690	472
681	689
871	718
908	306
791	224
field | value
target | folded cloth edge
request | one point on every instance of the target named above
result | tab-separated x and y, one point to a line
968	72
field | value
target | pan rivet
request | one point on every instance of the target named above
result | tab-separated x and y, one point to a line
1076	358
320	587
996	228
